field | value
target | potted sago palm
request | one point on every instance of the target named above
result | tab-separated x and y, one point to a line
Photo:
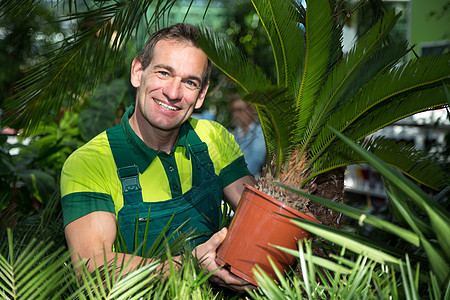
319	88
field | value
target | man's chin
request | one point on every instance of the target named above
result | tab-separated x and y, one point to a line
167	126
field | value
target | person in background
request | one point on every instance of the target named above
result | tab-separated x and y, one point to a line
158	157
248	134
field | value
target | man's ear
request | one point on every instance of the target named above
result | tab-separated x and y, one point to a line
136	72
201	96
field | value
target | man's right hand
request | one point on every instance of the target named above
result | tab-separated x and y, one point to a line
206	253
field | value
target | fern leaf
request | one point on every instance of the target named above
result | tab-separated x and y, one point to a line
279	19
385	86
347	74
317	55
230	60
405	157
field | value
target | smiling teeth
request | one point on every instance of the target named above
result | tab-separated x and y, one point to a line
165	105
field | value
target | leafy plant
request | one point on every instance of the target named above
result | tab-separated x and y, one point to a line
35	264
344	276
78	64
31	176
318	87
428	235
37	273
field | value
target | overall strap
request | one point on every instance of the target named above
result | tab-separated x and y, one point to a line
199	152
127	171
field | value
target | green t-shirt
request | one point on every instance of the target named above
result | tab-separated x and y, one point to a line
89	180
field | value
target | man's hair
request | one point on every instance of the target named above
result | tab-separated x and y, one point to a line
180	32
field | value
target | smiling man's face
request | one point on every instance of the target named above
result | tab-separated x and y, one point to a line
169	89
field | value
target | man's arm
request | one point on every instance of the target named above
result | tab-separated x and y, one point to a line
232	192
91	238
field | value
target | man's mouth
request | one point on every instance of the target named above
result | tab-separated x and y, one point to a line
166	106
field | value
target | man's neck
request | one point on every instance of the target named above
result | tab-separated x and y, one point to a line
155	138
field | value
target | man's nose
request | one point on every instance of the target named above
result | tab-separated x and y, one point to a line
172	88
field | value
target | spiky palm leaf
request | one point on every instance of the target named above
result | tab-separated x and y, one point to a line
35	273
38	272
81	59
421	232
403	156
344	277
319	87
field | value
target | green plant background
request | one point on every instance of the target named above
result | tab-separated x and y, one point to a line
34	262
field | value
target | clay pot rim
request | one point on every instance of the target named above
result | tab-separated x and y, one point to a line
282	205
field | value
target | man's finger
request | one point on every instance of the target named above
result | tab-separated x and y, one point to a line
229	277
218	237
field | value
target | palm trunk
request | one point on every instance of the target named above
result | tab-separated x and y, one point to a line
329	185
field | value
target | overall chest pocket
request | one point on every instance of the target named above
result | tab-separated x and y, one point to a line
197	215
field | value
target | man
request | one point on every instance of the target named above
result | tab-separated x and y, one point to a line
158	158
248	134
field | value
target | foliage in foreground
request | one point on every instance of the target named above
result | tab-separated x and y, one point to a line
34	263
424	236
37	273
39	270
341	278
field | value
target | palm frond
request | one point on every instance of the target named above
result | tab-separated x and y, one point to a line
416	164
347	74
385	86
230	60
285	33
268	130
35	273
398	108
81	59
113	283
45	226
382	60
277	124
318	26
12	9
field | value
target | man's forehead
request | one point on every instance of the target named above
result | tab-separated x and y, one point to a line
173	54
179	42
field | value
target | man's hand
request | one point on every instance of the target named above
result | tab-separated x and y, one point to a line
206	253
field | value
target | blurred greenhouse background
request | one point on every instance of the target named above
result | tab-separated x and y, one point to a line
31	158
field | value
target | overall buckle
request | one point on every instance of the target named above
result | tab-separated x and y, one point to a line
129	176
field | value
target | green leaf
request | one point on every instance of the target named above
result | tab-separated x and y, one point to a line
280	113
439	264
354	70
61	79
439	217
222	52
317	260
351	242
318	26
400	206
360	215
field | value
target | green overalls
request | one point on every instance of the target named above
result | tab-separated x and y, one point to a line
200	206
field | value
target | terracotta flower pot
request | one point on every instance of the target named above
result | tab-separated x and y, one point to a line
254	228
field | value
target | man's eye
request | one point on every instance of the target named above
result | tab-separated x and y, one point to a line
164	73
191	84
